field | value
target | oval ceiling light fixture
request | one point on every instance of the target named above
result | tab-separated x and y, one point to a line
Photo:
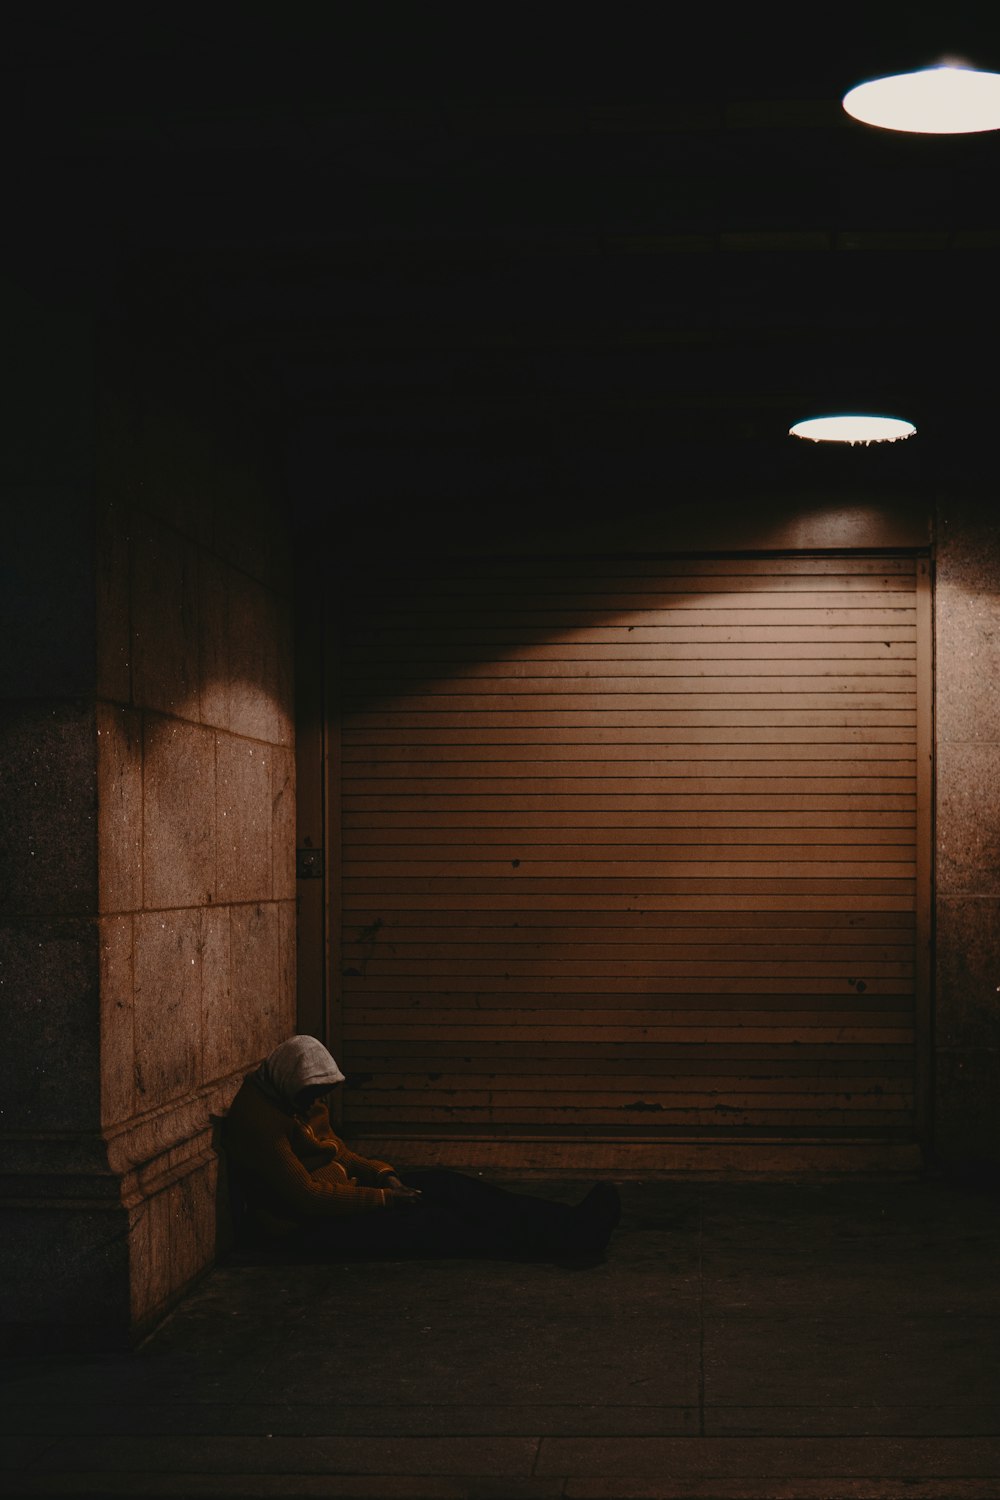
946	100
853	428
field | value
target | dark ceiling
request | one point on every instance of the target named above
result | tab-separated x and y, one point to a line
535	254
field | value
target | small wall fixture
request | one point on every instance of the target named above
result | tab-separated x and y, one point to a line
945	100
853	429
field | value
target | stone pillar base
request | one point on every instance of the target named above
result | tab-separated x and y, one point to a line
102	1234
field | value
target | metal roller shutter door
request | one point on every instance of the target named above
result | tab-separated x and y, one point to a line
630	847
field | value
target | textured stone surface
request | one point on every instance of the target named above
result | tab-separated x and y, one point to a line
119	808
967	664
282	1024
113	602
814	1360
155	602
48	815
167	1005
49	1064
223	1029
283	823
215	685
179	867
491	1370
164	619
968	550
260	662
967	814
968	971
255	975
967	1106
64	1269
172	1240
243	820
968	819
117	1020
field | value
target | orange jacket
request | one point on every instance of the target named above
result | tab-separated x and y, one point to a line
295	1171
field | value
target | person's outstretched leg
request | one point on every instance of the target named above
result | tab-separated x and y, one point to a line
519	1224
461	1216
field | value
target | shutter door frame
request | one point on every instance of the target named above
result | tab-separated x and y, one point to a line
546	1148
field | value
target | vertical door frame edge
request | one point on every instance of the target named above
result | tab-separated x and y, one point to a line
333	1017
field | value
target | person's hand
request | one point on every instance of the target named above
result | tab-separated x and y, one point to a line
400	1197
394	1183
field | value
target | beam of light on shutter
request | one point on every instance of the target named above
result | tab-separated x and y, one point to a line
630	846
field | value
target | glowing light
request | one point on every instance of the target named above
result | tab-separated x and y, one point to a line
945	100
853	429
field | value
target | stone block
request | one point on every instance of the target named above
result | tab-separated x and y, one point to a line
178	813
112	581
119	808
968	545
167	1005
287	976
256	978
64	1271
967	1107
213	641
48	814
164	619
260	662
968	819
968	972
173	1239
223	1028
967	657
117	1020
49	1061
243	819
283	823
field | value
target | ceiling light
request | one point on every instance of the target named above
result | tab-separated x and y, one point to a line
853	429
945	100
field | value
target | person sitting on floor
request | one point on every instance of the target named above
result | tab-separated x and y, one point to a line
303	1186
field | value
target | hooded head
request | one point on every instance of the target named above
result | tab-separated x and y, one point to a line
300	1063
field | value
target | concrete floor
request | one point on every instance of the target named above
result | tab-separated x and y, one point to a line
762	1341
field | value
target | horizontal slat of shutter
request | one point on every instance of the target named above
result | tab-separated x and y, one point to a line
631	847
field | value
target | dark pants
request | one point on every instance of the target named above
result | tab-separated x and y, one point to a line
455	1216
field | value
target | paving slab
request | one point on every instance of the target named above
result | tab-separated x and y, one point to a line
735	1458
30	1426
248	1486
741	1341
498	1456
971	1419
800	1487
794	1359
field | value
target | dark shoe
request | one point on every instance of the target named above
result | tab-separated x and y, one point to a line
596	1218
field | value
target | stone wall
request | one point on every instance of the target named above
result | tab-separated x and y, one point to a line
196	802
60	1229
147	953
966	1126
